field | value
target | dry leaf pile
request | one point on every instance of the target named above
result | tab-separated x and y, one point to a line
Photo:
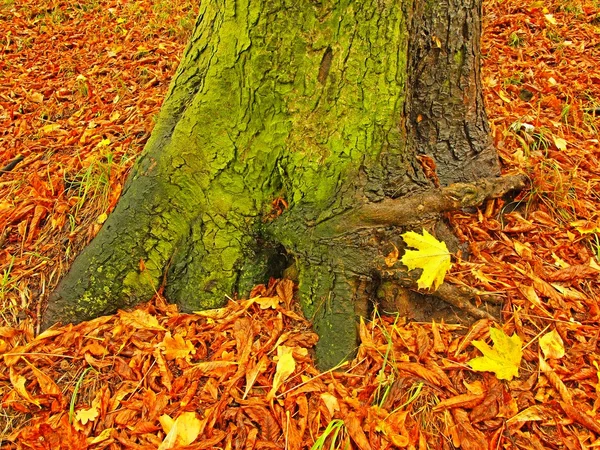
81	83
242	377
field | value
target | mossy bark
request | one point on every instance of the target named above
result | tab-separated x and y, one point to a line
310	102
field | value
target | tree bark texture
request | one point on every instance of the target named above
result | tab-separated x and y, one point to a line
320	106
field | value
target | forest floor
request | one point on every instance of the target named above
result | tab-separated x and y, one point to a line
81	84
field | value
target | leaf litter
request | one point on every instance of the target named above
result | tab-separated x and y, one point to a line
71	126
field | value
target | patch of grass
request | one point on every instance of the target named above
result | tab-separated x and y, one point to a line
516	79
555	37
516	39
591	112
386	381
6	285
570	7
6	4
565	113
541	140
596	247
75	392
335	429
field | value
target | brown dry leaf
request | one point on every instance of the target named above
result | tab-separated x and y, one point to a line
574	273
141	320
285	291
354	427
461	401
534	413
47	384
253	372
555	381
394	429
392	257
166	375
531	295
18	382
470	438
214	368
176	347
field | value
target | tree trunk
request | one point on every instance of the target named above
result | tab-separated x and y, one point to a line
289	133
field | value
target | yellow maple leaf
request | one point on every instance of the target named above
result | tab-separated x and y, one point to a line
285	367
431	255
503	359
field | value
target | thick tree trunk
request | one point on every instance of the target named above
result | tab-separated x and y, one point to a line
322	106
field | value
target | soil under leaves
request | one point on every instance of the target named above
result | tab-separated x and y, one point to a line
81	83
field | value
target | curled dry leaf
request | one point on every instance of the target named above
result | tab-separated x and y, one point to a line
285	367
552	345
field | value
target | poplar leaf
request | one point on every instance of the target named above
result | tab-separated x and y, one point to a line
431	255
503	359
552	345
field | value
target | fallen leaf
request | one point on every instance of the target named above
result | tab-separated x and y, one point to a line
253	373
331	402
552	345
140	319
586	227
176	347
267	302
101	437
37	97
285	367
431	255
87	415
18	382
182	431
392	257
550	18
560	143
47	129
503	359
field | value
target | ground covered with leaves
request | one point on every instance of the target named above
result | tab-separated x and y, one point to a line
81	84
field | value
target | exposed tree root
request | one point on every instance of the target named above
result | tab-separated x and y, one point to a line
418	208
414	209
460	297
